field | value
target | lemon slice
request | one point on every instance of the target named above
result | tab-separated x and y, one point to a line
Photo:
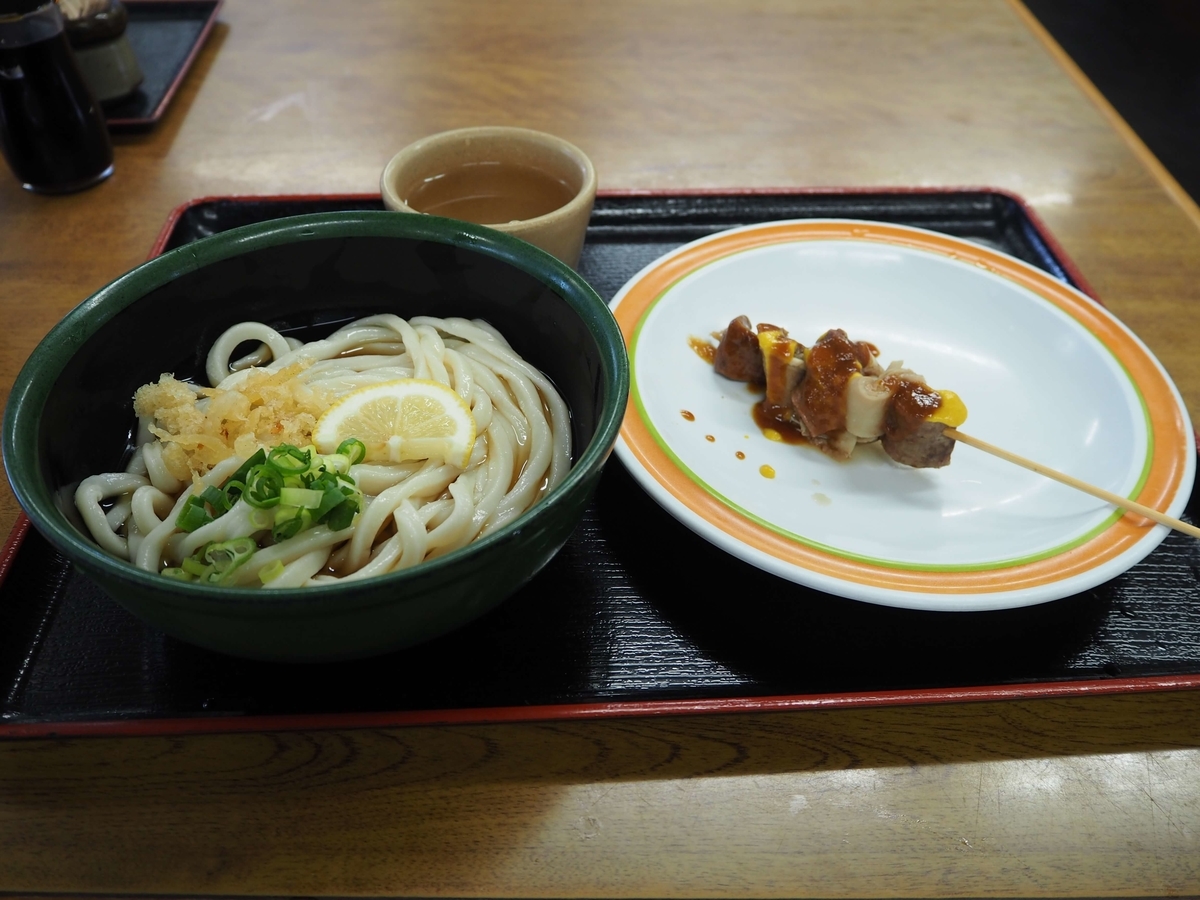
399	421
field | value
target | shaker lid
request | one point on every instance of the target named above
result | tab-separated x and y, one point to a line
92	21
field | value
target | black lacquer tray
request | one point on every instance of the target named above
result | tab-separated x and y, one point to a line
633	617
165	36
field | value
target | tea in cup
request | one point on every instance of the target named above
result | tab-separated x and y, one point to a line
529	184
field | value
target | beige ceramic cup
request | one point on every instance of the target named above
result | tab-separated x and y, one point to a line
559	232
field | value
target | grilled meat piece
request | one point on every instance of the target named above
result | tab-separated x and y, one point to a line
738	356
925	447
908	437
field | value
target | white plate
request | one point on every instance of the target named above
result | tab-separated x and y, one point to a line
1044	371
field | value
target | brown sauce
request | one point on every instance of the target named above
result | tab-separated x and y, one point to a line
490	193
710	438
912	403
820	399
775	418
690	416
740	455
703	349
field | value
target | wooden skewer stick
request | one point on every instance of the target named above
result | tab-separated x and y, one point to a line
1107	496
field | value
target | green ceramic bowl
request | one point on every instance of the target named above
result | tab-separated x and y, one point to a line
70	413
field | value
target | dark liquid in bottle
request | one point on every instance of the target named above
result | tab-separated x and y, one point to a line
490	193
51	130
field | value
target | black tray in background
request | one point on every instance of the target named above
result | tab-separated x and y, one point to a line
627	612
165	36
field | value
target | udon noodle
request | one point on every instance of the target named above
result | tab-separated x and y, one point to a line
398	514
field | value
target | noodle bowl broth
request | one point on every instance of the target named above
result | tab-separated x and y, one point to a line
69	415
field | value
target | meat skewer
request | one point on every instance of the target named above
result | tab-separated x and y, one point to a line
838	395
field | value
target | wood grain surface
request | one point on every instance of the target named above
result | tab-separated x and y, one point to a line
1086	797
1047	798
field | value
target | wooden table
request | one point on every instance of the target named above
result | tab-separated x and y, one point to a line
1086	796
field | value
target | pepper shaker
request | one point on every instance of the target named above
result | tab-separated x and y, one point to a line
96	31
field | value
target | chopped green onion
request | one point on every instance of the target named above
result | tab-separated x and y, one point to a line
215	561
342	515
239	477
322	477
261	518
233	491
354	449
289	489
226	556
215	497
193	565
269	573
290	521
289	460
302	497
193	515
336	463
331	497
263	485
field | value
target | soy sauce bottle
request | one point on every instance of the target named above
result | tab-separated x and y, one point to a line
52	131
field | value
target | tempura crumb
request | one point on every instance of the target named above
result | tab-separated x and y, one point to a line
199	427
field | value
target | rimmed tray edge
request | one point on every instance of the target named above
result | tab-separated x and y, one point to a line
618	709
497	715
1043	232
